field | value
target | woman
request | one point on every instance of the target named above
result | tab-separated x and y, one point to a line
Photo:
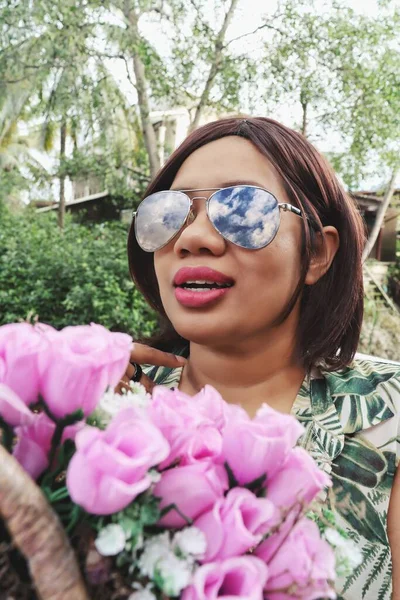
250	252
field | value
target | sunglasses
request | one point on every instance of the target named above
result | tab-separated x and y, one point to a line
245	215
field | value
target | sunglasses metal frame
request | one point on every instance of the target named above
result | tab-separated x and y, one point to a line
285	206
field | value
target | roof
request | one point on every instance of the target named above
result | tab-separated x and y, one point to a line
76	201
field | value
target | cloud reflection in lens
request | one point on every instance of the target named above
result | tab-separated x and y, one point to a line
247	216
159	217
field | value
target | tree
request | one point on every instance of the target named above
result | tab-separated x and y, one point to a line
209	68
380	216
199	71
215	64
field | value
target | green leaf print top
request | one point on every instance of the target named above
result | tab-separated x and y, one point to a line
352	429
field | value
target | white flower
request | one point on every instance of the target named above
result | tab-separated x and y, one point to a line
175	573
154	475
347	554
111	540
139	390
111	403
142	594
154	549
190	541
159	560
334	537
350	553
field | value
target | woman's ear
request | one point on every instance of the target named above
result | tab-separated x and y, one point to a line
324	252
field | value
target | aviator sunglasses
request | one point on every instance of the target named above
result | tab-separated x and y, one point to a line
245	215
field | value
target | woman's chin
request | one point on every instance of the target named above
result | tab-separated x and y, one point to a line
204	330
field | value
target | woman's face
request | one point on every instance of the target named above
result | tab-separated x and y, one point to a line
263	280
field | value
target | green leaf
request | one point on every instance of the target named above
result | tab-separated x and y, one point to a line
231	477
360	461
358	511
6	435
150	512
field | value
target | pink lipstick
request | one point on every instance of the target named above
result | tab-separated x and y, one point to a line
199	286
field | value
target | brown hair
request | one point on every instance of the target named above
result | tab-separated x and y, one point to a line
332	309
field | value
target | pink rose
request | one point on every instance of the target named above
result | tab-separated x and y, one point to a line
33	445
12	409
34	441
235	524
20	344
265	442
110	467
192	488
120	346
303	566
192	436
78	365
241	577
209	403
299	481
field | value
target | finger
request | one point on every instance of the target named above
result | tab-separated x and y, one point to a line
124	382
145	355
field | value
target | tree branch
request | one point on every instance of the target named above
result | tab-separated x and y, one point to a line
264	26
219	46
380	215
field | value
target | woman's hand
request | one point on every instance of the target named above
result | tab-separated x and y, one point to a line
145	355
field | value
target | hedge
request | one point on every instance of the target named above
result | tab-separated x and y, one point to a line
72	277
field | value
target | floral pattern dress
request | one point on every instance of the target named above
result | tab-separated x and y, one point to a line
352	429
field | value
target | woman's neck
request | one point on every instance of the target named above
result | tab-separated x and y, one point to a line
248	375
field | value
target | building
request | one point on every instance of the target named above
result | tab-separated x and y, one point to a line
368	204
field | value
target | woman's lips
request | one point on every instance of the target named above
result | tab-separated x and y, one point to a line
193	289
201	298
201	273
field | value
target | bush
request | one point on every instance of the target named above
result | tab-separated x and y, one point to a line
68	278
380	333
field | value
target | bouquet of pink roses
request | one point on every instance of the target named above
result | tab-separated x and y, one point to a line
174	496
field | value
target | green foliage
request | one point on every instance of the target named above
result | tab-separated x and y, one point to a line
76	277
339	68
380	331
336	68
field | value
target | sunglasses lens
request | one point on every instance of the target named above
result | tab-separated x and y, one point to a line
244	215
159	218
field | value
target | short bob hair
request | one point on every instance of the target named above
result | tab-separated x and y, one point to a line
331	310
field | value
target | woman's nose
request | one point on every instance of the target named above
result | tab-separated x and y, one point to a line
198	235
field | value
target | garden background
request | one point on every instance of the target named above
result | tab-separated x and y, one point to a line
95	95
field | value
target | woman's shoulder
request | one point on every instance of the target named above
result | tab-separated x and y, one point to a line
364	395
366	377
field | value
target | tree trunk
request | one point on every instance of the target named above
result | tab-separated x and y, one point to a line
304	106
219	46
149	134
61	206
37	533
380	215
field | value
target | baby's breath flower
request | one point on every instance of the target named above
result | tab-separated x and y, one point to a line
334	537
154	475
142	594
111	403
347	554
160	564
154	549
110	540
175	574
190	541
